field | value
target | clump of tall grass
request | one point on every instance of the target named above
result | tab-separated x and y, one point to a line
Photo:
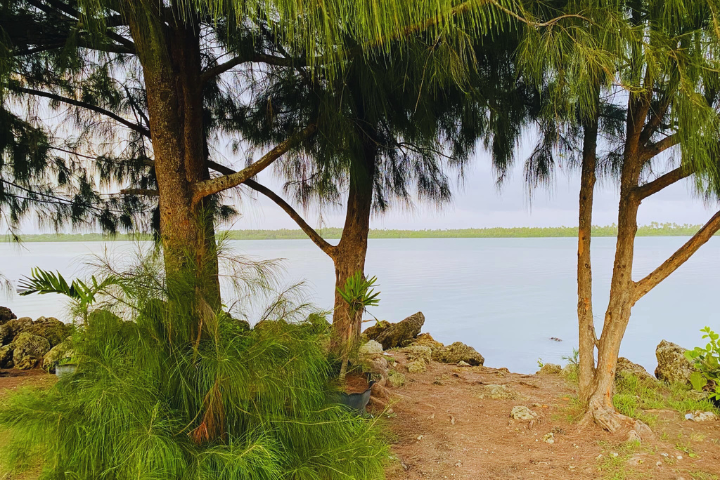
177	390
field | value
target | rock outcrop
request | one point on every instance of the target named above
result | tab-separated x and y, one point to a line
51	328
60	352
550	369
426	340
626	367
672	365
6	314
458	352
401	333
29	350
12	328
6	357
371	333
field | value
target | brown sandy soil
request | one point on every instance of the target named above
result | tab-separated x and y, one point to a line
11	379
443	430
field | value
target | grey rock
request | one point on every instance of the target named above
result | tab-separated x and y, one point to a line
29	350
626	367
498	392
370	348
6	314
401	333
672	365
550	369
456	353
522	413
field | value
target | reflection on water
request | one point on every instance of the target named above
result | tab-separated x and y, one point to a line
505	297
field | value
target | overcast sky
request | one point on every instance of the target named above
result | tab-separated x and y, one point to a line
480	203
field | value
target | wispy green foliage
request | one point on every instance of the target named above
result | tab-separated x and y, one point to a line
168	395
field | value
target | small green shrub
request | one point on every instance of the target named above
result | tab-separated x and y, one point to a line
707	361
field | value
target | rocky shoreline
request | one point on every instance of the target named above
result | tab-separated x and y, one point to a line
26	343
44	342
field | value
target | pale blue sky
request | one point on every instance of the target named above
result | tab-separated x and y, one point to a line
480	203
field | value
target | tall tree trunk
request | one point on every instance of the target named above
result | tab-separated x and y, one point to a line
350	252
621	302
587	337
171	62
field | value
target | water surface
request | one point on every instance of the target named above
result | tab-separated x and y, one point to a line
505	297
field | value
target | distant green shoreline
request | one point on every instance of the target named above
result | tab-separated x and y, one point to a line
652	230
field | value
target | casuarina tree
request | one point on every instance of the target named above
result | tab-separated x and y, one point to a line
138	80
651	82
388	135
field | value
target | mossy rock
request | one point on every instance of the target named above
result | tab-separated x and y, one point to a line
399	334
373	332
62	351
29	350
51	328
418	352
456	353
426	340
417	366
550	369
12	328
6	315
626	367
6	356
395	379
672	367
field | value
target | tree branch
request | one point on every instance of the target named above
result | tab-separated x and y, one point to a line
217	185
140	191
309	231
663	181
678	258
39	93
257	58
654	149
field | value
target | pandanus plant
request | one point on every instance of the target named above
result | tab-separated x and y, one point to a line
358	294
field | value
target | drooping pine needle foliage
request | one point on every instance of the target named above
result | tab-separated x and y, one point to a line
160	398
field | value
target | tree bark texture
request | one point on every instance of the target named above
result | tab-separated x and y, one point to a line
169	53
350	252
586	325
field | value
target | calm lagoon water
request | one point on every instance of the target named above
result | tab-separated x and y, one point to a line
505	297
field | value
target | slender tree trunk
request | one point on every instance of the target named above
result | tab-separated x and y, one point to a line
586	323
171	62
622	299
350	252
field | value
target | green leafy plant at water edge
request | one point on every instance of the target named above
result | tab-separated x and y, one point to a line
169	393
84	294
707	361
358	292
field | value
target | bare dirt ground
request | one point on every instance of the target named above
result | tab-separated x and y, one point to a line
442	429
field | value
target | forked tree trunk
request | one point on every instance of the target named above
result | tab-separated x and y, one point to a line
350	253
171	62
586	324
622	299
